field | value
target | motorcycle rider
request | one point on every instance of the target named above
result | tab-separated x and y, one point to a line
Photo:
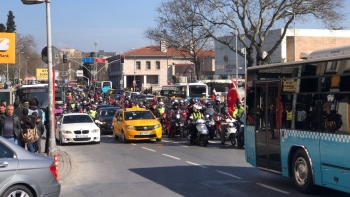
195	115
92	112
210	112
182	105
171	115
226	115
238	115
161	108
217	106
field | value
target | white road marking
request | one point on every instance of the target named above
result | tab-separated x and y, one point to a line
172	157
214	142
175	142
185	146
148	149
165	141
195	164
231	175
109	135
272	188
133	144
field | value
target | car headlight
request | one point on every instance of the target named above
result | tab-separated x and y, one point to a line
156	126
66	132
103	122
130	127
95	131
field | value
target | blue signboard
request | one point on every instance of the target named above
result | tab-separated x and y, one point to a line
87	60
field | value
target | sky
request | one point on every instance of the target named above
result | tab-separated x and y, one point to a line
116	25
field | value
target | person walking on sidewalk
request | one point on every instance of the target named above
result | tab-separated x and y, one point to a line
10	125
18	111
41	131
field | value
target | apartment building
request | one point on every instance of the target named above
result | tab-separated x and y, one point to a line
155	66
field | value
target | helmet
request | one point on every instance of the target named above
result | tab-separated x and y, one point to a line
208	104
192	101
196	107
161	104
176	104
218	99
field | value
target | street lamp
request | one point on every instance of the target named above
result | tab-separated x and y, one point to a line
236	54
52	141
289	11
95	77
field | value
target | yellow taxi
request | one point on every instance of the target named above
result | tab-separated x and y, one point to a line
136	124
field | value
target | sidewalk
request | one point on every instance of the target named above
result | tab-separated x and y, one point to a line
64	162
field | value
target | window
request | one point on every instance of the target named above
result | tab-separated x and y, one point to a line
5	152
138	65
148	65
157	65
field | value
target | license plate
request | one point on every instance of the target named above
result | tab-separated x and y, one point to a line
145	133
81	136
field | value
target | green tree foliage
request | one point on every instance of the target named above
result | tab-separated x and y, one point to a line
11	26
2	27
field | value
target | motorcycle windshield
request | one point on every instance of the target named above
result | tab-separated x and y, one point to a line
210	111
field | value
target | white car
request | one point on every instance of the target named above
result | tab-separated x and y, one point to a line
77	128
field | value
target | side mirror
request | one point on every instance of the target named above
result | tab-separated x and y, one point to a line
58	123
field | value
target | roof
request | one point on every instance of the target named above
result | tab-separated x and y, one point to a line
172	51
135	109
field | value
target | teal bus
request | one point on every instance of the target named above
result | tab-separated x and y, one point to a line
299	123
185	90
104	86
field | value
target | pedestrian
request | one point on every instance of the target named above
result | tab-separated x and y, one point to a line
2	108
3	102
33	107
27	123
10	125
18	110
41	131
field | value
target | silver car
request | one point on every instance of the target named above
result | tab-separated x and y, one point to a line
25	174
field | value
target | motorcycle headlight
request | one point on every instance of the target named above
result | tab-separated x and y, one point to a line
95	131
156	126
130	127
66	132
177	116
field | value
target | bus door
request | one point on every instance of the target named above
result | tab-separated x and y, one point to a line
268	150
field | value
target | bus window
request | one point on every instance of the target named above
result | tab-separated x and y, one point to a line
197	90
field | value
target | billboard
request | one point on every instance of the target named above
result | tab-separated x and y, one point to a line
42	74
7	48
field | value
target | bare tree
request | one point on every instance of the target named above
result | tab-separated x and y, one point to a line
252	20
178	26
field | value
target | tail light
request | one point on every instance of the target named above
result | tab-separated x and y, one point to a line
54	170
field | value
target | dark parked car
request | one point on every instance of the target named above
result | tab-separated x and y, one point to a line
105	116
26	174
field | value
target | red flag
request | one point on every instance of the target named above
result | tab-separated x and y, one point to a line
232	97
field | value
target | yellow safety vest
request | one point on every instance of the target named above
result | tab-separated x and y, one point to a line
92	114
197	115
289	115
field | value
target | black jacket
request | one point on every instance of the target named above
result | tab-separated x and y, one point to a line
16	125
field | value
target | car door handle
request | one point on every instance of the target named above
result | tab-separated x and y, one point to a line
3	164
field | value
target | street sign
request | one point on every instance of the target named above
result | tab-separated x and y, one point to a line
121	81
42	74
80	73
93	72
100	60
55	55
7	48
87	60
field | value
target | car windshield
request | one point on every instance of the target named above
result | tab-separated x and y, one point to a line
138	115
77	119
107	112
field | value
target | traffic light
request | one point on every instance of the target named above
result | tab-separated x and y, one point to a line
64	58
121	58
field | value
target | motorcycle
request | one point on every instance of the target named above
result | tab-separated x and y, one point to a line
202	133
240	133
178	125
230	129
210	125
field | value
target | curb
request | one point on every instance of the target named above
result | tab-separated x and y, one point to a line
64	166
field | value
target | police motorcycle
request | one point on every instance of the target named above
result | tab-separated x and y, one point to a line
177	122
230	129
202	131
209	118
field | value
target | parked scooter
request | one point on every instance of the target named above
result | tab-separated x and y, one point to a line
202	133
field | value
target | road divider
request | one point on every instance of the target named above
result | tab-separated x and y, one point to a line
231	175
195	164
148	149
272	188
172	157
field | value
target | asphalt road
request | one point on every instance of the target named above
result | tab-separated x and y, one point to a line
170	168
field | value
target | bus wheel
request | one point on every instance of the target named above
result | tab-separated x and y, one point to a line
302	174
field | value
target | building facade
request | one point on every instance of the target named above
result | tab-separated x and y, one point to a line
155	66
294	42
